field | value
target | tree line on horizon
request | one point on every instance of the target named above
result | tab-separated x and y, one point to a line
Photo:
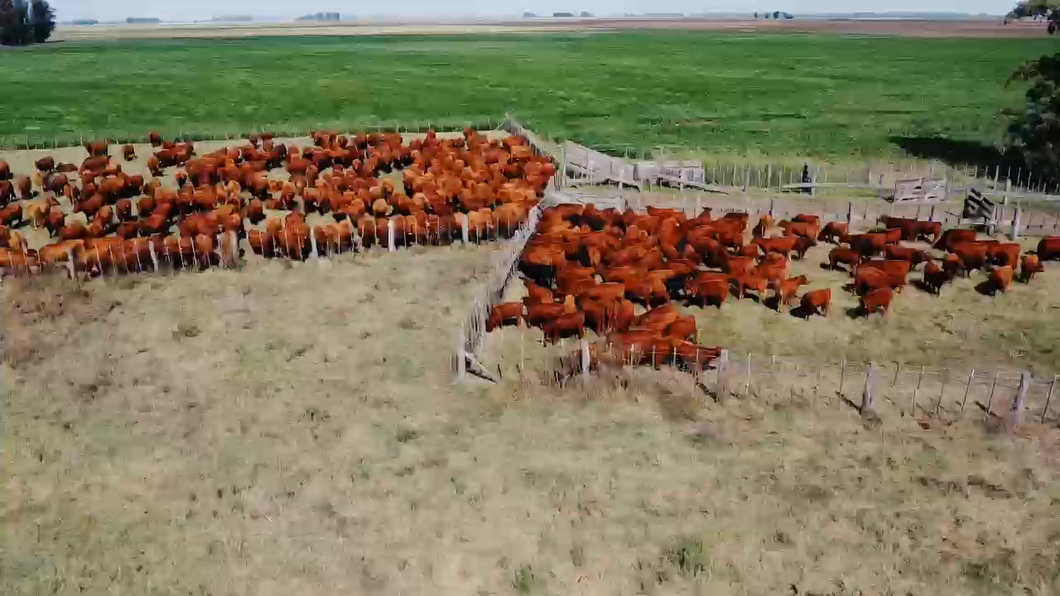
23	23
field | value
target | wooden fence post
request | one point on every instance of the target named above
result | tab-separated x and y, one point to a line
1008	189
461	363
850	215
842	375
967	389
1015	234
1049	398
990	400
942	391
867	396
585	359
747	378
1021	398
916	392
723	374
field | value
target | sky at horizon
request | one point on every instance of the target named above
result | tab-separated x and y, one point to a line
188	10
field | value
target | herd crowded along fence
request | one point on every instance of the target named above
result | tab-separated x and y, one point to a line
230	251
1013	220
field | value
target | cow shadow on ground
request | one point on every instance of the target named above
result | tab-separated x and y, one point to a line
922	286
854	312
986	288
801	312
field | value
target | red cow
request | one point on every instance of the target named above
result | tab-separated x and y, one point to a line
879	299
96	148
973	255
953	236
54	221
764	223
845	256
1031	264
565	325
1000	279
816	302
928	230
128	152
711	291
683	329
798	228
935	277
833	231
913	256
504	313
1005	254
783	245
786	289
750	282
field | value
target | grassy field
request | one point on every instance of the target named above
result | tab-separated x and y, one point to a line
293	430
818	95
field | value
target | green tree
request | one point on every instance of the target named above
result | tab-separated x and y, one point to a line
1035	133
1045	10
41	20
14	28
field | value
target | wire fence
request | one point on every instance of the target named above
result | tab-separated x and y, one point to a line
945	393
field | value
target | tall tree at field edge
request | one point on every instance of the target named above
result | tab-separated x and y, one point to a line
42	20
1036	132
1047	10
21	24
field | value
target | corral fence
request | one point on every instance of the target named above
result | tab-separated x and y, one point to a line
501	270
946	393
34	140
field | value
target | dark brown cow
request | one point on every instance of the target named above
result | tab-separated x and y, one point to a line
833	231
1049	248
45	164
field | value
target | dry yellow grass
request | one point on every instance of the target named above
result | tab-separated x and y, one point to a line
292	430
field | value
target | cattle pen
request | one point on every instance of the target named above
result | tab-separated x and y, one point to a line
946	393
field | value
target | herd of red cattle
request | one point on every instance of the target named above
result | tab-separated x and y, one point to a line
449	188
587	268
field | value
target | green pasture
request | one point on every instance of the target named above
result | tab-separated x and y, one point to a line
746	94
